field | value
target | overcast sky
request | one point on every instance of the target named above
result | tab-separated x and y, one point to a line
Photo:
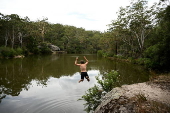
88	14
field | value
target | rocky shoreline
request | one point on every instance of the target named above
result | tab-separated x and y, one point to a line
148	97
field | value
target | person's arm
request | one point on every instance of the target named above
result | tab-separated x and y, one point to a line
76	61
86	60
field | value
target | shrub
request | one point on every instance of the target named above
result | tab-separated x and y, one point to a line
93	95
19	51
32	45
100	53
35	50
140	61
110	81
132	60
25	51
93	98
44	49
158	55
7	52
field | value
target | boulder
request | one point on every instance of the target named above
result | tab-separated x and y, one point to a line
53	47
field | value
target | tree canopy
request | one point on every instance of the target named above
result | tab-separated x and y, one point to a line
21	32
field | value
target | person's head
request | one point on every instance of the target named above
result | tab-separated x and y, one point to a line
81	62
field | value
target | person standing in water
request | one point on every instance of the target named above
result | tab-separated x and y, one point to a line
83	70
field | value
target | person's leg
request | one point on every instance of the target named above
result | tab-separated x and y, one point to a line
82	78
87	77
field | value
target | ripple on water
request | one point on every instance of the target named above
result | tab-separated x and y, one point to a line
68	104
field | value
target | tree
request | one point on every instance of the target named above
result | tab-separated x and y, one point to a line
28	35
13	21
42	24
158	52
54	34
166	2
134	23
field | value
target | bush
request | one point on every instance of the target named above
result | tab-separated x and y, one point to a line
155	56
44	49
32	45
19	51
7	52
100	53
93	95
93	98
150	63
140	61
132	60
25	51
110	81
35	50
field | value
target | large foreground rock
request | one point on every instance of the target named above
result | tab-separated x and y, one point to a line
118	100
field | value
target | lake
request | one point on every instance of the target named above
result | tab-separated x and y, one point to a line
49	84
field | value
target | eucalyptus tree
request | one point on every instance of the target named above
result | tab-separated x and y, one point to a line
134	23
23	30
5	28
14	23
11	26
3	32
42	27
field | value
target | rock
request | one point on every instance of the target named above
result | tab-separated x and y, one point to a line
123	109
19	56
53	47
125	99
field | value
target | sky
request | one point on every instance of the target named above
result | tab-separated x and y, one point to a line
87	14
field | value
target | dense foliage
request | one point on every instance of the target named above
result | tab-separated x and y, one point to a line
17	32
140	32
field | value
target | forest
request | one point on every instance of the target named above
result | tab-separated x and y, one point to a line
140	34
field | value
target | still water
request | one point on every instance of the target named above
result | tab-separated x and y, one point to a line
49	84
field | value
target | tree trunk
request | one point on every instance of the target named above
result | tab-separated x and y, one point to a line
6	38
42	33
13	37
20	38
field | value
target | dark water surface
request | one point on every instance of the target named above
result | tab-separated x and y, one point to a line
49	84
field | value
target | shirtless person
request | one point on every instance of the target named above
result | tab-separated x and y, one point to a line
83	70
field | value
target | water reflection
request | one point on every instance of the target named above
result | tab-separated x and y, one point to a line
50	83
59	95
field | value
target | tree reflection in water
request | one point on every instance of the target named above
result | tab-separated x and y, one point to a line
17	75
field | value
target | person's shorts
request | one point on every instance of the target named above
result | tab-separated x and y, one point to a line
84	74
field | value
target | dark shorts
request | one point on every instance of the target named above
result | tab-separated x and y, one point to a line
84	74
